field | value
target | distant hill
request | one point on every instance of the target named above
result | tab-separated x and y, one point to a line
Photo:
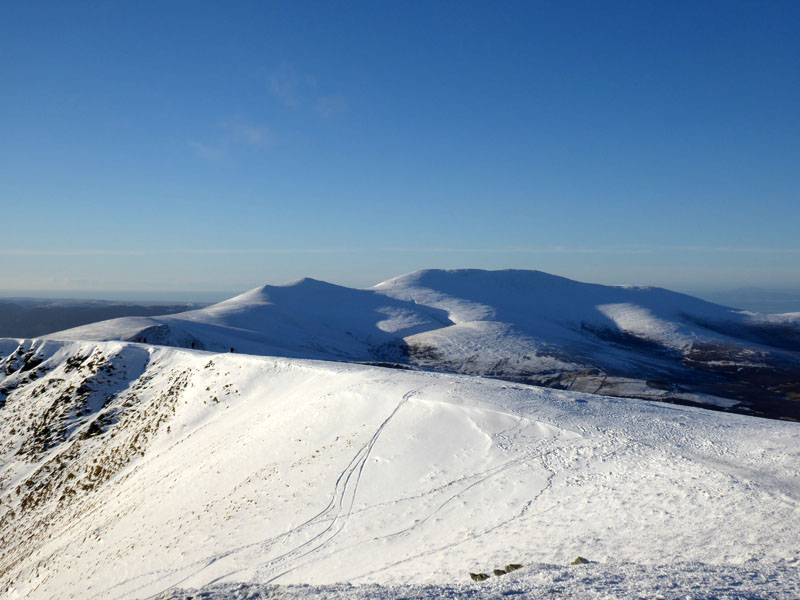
518	325
35	317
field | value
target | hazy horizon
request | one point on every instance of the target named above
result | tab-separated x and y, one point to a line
754	298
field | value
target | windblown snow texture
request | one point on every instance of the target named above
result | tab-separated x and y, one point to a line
137	471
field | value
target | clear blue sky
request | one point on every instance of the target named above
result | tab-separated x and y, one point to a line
220	146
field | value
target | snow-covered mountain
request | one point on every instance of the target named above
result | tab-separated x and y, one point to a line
135	471
524	326
303	319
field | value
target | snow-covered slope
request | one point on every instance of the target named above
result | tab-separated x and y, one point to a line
131	470
303	319
570	314
619	340
518	325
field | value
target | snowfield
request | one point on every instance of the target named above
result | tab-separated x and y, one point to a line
137	471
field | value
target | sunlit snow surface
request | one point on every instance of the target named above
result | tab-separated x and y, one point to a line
315	319
133	471
610	581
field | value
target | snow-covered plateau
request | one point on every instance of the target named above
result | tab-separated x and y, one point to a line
132	470
517	325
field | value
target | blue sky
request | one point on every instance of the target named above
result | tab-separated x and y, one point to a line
221	146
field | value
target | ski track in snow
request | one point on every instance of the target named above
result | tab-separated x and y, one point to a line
472	481
337	512
471	536
528	454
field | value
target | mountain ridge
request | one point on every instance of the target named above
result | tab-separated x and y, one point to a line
520	325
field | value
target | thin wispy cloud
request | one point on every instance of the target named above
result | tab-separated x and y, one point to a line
234	134
290	86
515	250
173	251
206	151
330	106
252	135
299	90
74	252
388	249
736	250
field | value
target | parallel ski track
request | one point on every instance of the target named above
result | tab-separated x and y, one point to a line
336	514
